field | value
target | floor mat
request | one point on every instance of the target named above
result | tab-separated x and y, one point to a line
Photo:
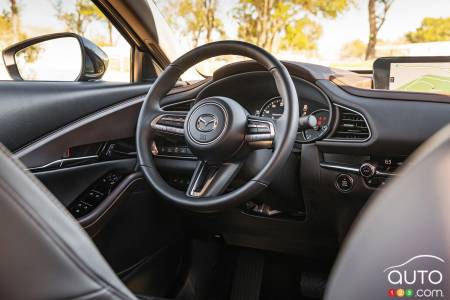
210	271
248	275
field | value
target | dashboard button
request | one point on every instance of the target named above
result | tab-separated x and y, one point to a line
344	183
367	170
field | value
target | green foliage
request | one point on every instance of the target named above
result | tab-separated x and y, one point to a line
78	20
301	35
10	25
198	19
287	24
284	24
431	30
354	49
326	8
5	29
30	54
81	17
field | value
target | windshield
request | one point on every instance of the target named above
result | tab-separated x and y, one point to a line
347	34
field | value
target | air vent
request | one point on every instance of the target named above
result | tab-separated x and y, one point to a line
351	127
181	106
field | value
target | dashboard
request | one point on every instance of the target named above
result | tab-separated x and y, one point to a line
260	98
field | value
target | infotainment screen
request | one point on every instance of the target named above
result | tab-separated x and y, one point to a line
420	77
413	74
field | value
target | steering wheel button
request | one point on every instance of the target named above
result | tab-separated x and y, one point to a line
252	129
263	129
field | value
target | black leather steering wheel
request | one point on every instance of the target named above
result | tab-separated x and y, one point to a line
219	131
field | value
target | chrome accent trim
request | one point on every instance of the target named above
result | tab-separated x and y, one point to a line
353	170
59	163
202	120
337	167
56	164
197	174
350	179
351	141
176	157
373	170
385	174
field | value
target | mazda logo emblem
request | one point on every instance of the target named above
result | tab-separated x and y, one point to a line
207	122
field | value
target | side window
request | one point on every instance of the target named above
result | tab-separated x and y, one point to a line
24	19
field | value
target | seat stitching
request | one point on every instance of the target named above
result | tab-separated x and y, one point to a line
34	179
88	294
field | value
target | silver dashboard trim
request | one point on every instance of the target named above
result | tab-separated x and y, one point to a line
337	167
385	174
353	170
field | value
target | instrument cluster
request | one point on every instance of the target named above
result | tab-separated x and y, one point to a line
321	116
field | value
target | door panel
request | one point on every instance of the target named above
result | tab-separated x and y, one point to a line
84	133
39	121
109	124
30	110
69	183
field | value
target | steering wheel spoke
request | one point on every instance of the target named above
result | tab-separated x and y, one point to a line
260	132
212	179
169	123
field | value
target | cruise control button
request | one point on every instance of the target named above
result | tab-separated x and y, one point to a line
252	128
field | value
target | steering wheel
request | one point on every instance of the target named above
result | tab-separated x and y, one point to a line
218	131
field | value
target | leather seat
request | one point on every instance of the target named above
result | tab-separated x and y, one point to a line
44	253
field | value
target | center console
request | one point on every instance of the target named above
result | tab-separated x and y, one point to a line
375	171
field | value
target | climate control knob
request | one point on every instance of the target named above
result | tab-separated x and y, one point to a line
367	170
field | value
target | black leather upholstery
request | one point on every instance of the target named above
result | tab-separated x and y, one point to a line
405	228
44	253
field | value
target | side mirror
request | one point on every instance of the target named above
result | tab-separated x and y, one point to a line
55	57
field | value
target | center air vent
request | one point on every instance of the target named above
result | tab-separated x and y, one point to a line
352	126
